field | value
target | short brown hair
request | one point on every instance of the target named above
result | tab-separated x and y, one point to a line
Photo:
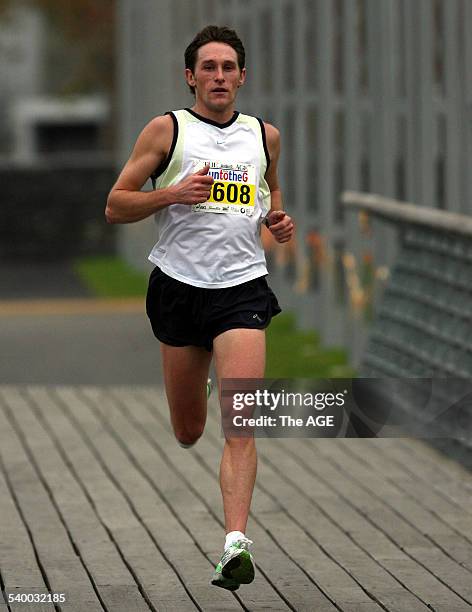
213	33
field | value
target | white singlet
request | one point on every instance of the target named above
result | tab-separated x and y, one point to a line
216	244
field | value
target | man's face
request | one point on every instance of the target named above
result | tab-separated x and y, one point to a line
216	77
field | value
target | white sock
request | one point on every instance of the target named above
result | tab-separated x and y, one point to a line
232	537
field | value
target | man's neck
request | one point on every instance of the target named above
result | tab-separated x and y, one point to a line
218	116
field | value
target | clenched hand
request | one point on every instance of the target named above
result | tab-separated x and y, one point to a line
193	189
280	225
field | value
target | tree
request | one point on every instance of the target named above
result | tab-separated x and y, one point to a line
87	28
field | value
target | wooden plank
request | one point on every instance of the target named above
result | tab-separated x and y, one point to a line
429	465
88	534
332	532
20	571
268	515
331	528
307	519
212	496
97	552
334	536
293	584
436	578
140	566
447	467
65	573
147	502
363	526
446	523
402	564
157	454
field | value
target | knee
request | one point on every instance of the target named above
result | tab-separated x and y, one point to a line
187	437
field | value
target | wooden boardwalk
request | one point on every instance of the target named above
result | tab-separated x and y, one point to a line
97	501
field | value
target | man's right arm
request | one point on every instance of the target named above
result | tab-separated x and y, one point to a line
126	202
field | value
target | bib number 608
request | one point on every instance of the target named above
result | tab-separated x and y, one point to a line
231	192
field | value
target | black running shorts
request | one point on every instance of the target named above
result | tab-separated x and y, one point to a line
183	315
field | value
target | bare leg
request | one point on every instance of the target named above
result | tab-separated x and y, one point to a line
185	376
239	353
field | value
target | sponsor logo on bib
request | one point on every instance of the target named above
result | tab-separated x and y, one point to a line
233	190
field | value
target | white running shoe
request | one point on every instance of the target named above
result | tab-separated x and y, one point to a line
235	567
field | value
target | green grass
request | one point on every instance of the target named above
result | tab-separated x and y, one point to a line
110	277
291	353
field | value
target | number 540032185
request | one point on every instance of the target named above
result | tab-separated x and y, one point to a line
33	598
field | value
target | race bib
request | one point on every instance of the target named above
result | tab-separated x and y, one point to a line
233	190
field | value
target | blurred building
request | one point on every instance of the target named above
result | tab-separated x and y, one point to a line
369	95
47	126
22	33
55	163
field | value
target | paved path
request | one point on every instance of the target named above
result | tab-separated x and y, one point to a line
77	341
98	502
53	332
26	280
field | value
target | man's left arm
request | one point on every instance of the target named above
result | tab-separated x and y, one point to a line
279	223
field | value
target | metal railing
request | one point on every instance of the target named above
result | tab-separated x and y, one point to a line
422	327
405	212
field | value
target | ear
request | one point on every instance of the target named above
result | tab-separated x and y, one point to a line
242	77
189	77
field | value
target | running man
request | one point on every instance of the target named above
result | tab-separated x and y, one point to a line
214	172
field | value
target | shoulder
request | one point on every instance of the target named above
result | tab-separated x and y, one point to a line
159	127
157	134
272	133
272	139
